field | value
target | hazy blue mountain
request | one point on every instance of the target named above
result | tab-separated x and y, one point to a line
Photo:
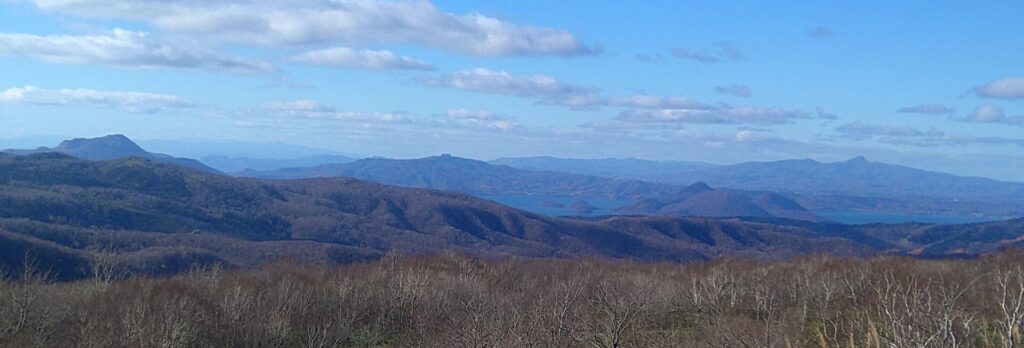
159	219
701	200
236	164
857	176
482	178
111	147
475	177
620	168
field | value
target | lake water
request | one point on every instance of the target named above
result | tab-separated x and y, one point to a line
538	204
862	218
541	204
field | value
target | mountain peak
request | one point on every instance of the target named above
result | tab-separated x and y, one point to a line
858	160
111	147
106	147
700	186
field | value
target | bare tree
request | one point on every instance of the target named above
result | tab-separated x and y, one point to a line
1010	290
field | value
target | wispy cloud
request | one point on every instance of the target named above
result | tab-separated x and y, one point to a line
649	57
501	82
716	115
861	130
314	110
345	57
929	109
740	91
726	51
989	113
1008	88
450	120
698	56
906	135
825	114
334	22
128	101
821	32
640	101
123	49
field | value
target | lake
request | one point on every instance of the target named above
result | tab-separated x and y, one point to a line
540	204
863	218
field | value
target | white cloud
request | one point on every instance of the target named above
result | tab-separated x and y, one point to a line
726	51
345	57
327	22
122	49
929	109
452	120
861	130
821	32
592	100
717	115
698	56
825	114
550	91
478	119
303	106
129	101
313	110
466	114
1009	88
734	90
501	82
905	135
989	113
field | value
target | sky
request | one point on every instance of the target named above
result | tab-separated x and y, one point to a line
935	85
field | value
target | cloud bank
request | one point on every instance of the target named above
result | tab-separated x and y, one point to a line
128	101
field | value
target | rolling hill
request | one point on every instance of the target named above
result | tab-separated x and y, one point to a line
159	219
482	178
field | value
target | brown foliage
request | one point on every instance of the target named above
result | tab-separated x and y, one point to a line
456	301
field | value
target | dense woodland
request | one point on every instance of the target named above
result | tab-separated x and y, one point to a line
457	301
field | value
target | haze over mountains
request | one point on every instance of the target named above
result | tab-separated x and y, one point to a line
497	182
618	168
857	176
798	189
853	185
162	218
229	164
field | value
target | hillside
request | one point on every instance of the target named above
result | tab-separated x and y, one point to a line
482	178
152	213
474	177
159	218
111	147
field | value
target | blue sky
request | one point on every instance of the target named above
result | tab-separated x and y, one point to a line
927	84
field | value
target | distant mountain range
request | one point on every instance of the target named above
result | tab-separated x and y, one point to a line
111	147
701	200
481	178
857	176
618	168
452	173
853	185
158	218
237	164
